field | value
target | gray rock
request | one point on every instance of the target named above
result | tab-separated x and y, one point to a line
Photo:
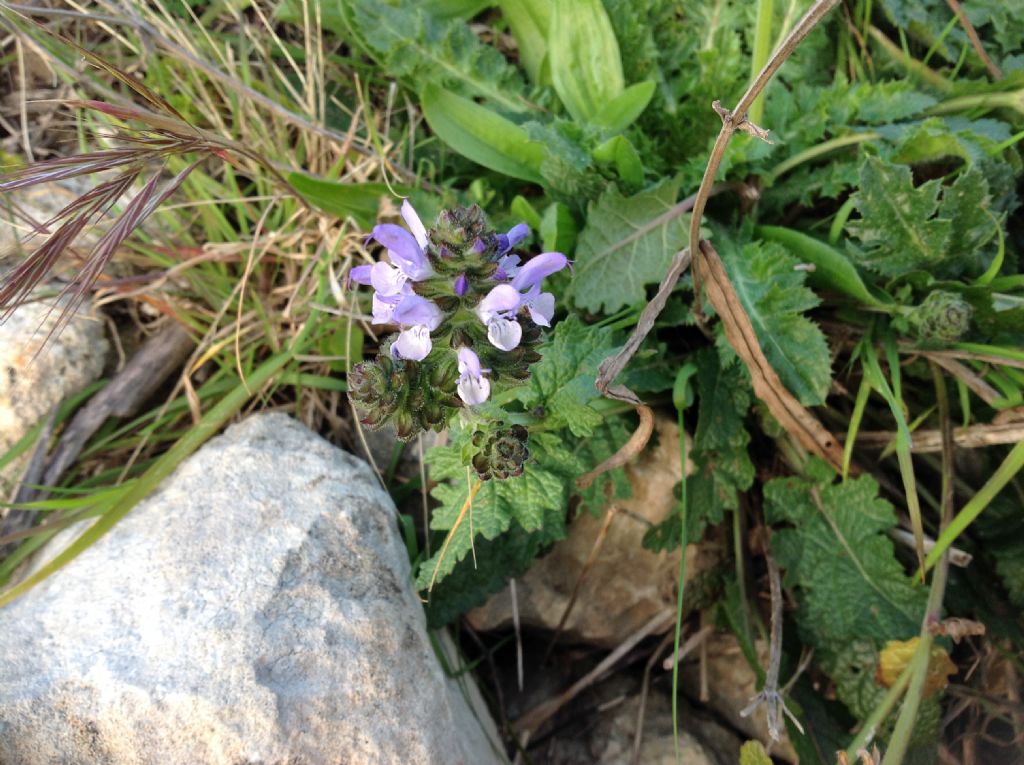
34	381
256	609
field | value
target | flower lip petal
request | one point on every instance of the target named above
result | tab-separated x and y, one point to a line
360	275
500	299
413	344
404	250
504	334
473	390
387	279
417	310
536	269
412	220
542	308
469	362
384	308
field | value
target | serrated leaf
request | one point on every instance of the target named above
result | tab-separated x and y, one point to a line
966	203
773	293
837	554
411	43
526	500
897	228
481	135
628	243
562	382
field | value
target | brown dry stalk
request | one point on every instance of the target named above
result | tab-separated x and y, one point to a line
630	449
731	122
930	441
791	414
972	35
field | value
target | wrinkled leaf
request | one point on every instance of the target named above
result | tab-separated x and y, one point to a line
628	243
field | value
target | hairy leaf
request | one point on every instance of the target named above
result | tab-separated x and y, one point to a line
898	228
628	243
837	554
563	381
773	293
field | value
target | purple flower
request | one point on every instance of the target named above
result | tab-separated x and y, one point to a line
473	387
508	266
515	235
497	311
541	305
418	318
537	268
406	251
461	285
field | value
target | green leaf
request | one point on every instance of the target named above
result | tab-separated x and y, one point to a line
619	150
622	111
536	501
359	201
850	584
481	135
722	466
832	269
411	43
562	382
529	21
558	229
897	227
628	243
967	204
586	68
774	296
456	9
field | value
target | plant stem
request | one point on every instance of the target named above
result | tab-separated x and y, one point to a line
762	49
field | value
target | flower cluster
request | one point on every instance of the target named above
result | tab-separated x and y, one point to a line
468	312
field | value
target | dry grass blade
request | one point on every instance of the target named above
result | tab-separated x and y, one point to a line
803	426
629	450
930	441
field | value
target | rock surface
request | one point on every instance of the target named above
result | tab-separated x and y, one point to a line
256	608
626	585
610	738
33	382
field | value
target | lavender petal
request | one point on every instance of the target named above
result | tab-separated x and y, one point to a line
538	268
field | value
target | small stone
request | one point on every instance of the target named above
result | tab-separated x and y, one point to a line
256	608
39	370
626	584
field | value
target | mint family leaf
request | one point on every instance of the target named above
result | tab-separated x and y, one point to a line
628	243
773	293
562	382
839	556
535	501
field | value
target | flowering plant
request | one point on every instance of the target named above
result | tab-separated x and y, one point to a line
469	314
